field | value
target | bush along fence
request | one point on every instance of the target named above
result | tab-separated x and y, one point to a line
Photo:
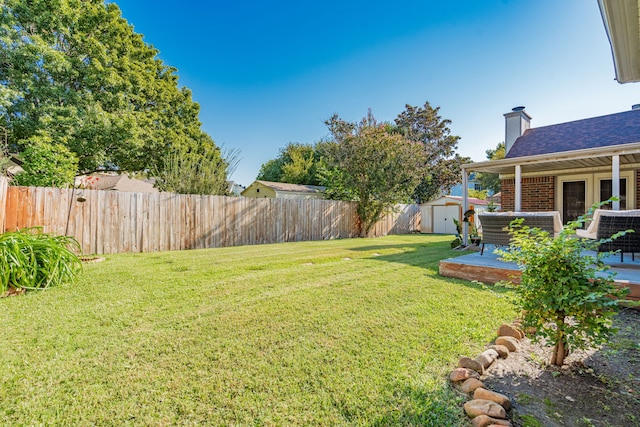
107	222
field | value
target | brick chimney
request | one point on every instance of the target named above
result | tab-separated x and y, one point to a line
516	122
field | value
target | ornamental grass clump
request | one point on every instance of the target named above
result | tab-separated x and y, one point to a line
567	295
32	259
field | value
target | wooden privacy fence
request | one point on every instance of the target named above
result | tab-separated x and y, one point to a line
112	222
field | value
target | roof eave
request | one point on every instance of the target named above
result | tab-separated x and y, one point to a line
620	18
505	165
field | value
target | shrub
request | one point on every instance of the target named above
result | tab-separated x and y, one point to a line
31	259
567	295
47	164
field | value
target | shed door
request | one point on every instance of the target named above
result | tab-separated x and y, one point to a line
443	219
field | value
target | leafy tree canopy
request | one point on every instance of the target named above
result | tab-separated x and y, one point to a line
47	164
75	73
296	164
441	169
491	181
376	166
203	172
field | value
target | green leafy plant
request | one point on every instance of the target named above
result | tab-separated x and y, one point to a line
202	172
31	259
466	218
567	295
46	164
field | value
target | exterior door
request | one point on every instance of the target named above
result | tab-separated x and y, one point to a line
443	219
573	200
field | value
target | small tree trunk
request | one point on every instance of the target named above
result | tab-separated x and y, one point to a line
560	351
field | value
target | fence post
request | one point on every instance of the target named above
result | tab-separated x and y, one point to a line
4	183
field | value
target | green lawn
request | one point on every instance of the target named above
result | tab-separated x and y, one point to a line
343	332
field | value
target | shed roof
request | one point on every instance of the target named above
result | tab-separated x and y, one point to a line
472	200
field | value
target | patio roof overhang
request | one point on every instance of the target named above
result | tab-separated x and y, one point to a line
622	23
613	158
569	160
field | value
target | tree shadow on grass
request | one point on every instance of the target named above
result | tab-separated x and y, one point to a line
425	255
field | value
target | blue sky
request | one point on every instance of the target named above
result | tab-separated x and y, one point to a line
269	73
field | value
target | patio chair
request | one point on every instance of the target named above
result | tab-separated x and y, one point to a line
495	226
629	243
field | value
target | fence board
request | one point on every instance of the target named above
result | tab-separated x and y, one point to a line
111	222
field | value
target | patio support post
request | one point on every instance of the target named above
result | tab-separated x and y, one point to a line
518	201
465	206
615	181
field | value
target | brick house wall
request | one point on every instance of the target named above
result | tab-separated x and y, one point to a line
538	194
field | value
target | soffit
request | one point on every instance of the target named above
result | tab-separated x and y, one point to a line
579	159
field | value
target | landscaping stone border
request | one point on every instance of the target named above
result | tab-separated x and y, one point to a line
487	408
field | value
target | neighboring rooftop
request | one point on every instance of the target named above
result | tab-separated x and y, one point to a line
294	188
604	131
116	182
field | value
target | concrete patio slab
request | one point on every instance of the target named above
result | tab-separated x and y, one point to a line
489	268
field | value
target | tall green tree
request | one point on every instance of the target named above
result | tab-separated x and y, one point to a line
75	72
296	164
491	181
203	172
441	169
376	166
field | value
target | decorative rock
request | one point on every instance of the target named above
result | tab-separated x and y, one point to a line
503	351
461	374
476	407
487	358
466	362
511	343
470	385
508	331
486	421
500	399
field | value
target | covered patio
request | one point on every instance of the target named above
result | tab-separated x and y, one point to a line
609	160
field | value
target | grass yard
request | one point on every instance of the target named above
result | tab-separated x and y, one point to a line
347	332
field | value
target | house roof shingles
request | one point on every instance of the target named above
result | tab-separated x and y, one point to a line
604	131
